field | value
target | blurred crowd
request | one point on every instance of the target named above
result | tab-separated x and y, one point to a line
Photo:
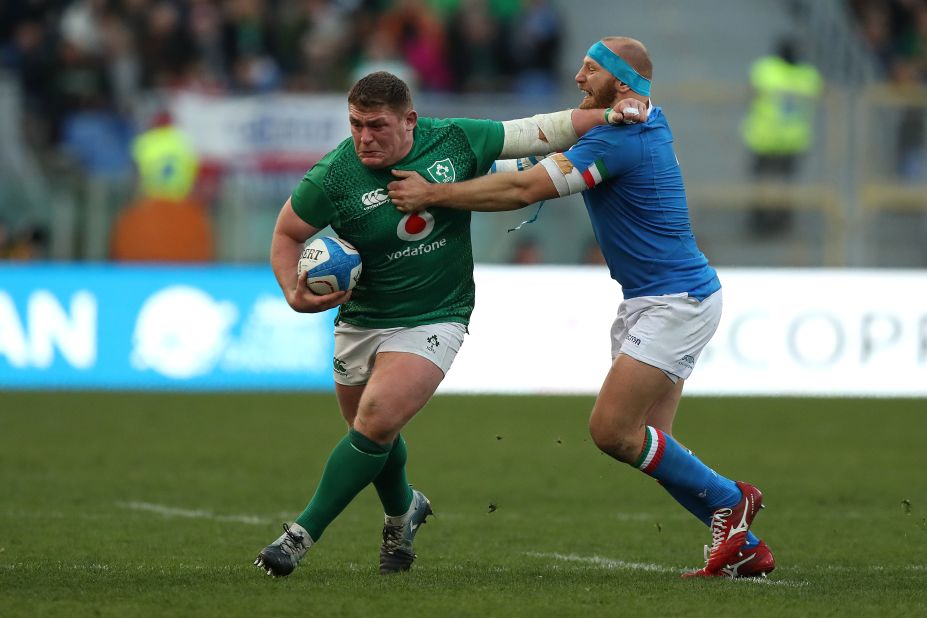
78	55
896	32
93	73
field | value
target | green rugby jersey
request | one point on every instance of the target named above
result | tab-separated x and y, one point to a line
417	268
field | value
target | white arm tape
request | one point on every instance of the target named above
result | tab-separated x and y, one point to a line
567	178
512	165
522	136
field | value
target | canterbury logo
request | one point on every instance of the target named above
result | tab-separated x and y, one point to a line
373	199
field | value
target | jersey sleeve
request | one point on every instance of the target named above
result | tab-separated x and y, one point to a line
485	137
603	153
310	202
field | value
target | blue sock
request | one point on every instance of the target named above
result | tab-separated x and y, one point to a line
665	460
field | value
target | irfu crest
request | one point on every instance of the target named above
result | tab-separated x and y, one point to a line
443	171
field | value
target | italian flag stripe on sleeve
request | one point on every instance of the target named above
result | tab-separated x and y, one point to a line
595	173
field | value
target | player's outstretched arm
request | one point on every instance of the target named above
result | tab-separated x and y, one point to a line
496	192
290	234
528	138
628	111
545	133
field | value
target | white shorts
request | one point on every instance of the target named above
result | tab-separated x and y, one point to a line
356	347
668	332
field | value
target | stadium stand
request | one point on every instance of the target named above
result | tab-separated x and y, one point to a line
80	77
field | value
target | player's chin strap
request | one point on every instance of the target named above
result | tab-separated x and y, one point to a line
531	220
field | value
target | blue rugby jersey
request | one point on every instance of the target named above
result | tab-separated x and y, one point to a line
637	204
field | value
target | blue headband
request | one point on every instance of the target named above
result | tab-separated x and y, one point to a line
614	64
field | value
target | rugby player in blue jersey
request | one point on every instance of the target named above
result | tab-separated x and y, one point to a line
633	189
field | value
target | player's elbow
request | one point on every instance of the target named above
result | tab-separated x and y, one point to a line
531	189
522	197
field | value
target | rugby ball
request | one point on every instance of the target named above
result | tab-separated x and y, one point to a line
333	265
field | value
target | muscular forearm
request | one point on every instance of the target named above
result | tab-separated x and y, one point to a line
286	247
542	134
586	119
493	193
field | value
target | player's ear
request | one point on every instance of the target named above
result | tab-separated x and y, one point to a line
411	119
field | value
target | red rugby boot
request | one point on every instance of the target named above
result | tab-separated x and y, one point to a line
756	561
729	528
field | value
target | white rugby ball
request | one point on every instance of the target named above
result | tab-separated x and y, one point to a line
333	265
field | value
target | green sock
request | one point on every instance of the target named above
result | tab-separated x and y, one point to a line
391	484
353	464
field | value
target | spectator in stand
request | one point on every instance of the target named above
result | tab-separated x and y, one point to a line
324	47
380	54
80	25
121	63
248	44
4	239
911	154
536	47
30	244
779	128
479	47
205	23
28	54
912	43
419	34
896	32
166	222
893	29
165	45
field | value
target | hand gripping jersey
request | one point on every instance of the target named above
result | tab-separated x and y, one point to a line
418	268
633	190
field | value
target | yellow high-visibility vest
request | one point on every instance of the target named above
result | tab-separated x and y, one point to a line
781	116
167	164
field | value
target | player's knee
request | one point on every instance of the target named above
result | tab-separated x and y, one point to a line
377	426
612	441
601	438
375	429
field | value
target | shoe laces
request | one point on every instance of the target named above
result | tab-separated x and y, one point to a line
718	530
392	536
291	543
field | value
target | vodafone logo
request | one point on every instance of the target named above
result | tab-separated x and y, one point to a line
415	225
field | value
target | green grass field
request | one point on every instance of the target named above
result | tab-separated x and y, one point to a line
149	505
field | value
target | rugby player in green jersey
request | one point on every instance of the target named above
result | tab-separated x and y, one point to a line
398	331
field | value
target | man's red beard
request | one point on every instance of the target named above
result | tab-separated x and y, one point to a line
602	98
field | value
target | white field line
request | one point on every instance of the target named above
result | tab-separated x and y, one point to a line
504	512
595	561
607	563
96	567
622	565
171	511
